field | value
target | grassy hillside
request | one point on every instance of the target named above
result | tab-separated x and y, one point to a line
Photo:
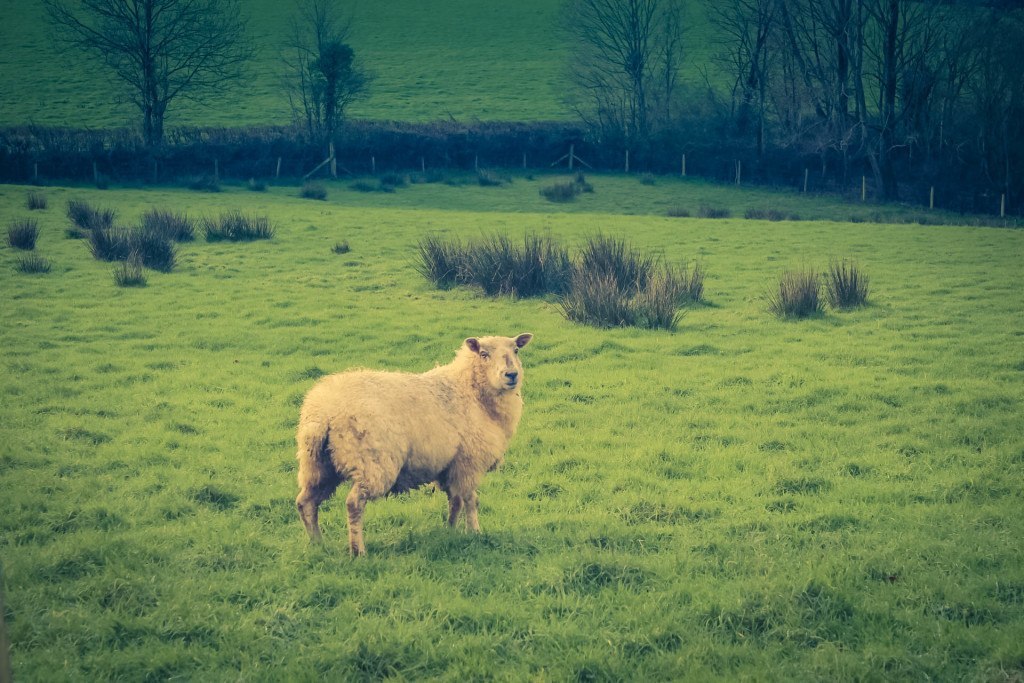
433	59
837	498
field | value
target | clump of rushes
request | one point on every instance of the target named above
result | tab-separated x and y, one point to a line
798	295
33	263
36	201
171	225
22	234
341	247
313	190
129	273
236	226
440	261
846	286
86	217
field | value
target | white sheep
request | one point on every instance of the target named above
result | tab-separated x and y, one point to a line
388	432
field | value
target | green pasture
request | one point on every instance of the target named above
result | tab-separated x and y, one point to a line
433	60
838	498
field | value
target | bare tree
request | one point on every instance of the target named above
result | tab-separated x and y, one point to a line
746	28
162	49
625	58
323	76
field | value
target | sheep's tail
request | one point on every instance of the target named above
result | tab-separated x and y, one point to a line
316	469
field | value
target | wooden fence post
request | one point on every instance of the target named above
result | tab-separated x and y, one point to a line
572	156
277	173
95	174
1002	205
373	165
524	161
739	170
807	173
423	165
931	198
683	168
863	188
627	161
334	162
476	163
35	172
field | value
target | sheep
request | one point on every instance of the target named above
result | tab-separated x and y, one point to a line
389	432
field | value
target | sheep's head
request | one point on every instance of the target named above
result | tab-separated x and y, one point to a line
497	360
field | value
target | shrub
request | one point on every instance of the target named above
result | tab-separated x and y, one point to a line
33	263
435	175
369	186
648	179
440	261
500	267
341	247
22	234
845	285
707	211
204	183
313	190
798	295
171	225
693	283
678	212
487	178
83	215
236	226
256	185
36	201
565	191
129	273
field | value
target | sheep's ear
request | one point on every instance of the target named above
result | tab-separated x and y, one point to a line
473	344
523	339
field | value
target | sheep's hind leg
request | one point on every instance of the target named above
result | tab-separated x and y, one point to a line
472	522
454	507
308	504
356	504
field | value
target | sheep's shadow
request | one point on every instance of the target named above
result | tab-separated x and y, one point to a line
446	543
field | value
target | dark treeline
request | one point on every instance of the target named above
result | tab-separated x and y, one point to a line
905	94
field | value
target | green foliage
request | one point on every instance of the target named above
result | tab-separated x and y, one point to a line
501	267
709	211
564	191
798	294
341	247
846	286
23	233
236	226
441	261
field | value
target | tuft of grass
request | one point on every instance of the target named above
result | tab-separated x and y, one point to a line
341	247
36	201
129	273
487	178
765	214
678	212
86	217
313	190
708	211
693	282
564	191
370	186
111	244
628	266
798	295
204	183
582	184
594	298
153	249
22	234
236	226
846	286
171	225
440	261
32	263
500	267
392	181
256	185
648	179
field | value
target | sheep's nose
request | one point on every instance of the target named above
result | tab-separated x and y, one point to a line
511	376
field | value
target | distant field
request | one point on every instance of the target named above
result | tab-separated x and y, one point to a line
434	59
747	498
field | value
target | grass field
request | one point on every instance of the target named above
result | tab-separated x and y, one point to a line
433	59
838	498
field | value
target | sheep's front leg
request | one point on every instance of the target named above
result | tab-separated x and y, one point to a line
454	507
472	523
356	503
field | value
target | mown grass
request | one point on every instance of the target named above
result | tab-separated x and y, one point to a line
835	498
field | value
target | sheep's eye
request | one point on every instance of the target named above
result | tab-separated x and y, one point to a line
484	354
515	351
